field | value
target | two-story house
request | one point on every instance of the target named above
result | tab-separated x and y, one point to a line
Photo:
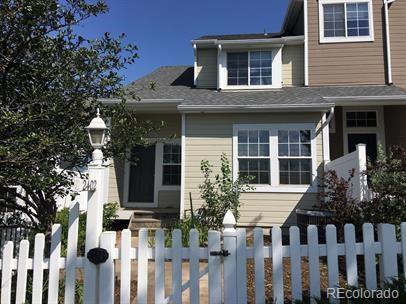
281	106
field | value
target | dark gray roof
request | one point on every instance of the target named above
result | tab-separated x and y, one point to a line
176	82
240	36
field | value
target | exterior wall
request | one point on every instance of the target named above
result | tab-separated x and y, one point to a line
292	65
116	169
210	135
397	22
395	125
346	63
206	72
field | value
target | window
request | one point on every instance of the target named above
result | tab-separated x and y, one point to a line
253	155
171	167
345	20
361	119
294	151
276	156
253	68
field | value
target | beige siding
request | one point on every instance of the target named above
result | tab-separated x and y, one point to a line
395	125
206	73
292	66
346	63
210	135
116	169
397	21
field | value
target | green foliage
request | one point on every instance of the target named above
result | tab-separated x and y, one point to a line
51	82
387	178
220	195
62	217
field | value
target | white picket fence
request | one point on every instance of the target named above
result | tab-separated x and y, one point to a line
227	276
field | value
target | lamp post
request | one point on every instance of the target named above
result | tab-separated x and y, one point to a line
94	218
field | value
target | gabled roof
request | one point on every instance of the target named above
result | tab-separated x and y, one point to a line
174	85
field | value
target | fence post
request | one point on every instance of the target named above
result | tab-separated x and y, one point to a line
230	261
388	265
360	180
94	225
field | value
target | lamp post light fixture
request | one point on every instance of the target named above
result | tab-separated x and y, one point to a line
97	133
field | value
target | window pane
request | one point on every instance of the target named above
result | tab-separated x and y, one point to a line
361	119
257	168
304	136
294	178
305	178
242	150
171	154
171	175
333	15
255	81
261	68
284	165
243	164
305	150
242	136
293	149
293	136
283	150
294	164
237	65
357	19
284	178
266	81
295	171
253	136
283	136
253	150
305	165
264	136
264	150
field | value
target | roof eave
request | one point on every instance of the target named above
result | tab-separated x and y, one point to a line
366	100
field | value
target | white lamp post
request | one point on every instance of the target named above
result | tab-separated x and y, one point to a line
94	218
97	133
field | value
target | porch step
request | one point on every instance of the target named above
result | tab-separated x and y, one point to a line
152	219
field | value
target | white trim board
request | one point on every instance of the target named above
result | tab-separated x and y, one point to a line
379	130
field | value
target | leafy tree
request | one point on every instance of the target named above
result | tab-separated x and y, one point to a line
51	81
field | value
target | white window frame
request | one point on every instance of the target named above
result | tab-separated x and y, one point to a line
379	130
346	38
276	69
273	129
158	186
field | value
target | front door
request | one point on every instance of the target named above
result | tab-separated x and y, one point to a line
142	176
363	138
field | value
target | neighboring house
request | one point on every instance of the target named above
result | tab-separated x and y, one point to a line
281	106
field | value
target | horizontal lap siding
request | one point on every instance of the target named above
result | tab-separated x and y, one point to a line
395	125
345	63
397	21
206	73
210	135
292	65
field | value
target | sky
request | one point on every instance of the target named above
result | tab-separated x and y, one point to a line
162	29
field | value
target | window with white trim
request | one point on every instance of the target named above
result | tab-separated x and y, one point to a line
345	20
361	119
253	155
252	68
275	155
171	164
295	156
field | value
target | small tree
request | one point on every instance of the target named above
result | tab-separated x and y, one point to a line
220	195
51	81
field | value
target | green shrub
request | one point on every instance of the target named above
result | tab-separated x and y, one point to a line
62	217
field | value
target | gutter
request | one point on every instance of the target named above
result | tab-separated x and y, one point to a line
254	108
282	40
387	40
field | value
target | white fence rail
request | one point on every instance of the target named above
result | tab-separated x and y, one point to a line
356	161
227	274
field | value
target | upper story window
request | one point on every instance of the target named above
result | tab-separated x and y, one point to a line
252	68
345	20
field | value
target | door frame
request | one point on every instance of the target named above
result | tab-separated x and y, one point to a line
379	130
159	143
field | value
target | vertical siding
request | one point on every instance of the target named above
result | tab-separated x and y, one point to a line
292	65
210	135
346	63
116	169
206	73
397	22
395	125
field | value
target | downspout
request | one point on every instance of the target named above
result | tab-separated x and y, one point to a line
387	40
326	135
195	64
306	45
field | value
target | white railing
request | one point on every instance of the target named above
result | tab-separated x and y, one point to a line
356	161
227	275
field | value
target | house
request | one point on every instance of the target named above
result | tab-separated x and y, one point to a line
282	106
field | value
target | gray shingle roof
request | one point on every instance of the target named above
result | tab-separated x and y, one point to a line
240	36
176	82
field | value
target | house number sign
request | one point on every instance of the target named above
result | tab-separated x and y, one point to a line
85	185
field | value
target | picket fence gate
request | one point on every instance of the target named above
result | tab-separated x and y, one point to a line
226	255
